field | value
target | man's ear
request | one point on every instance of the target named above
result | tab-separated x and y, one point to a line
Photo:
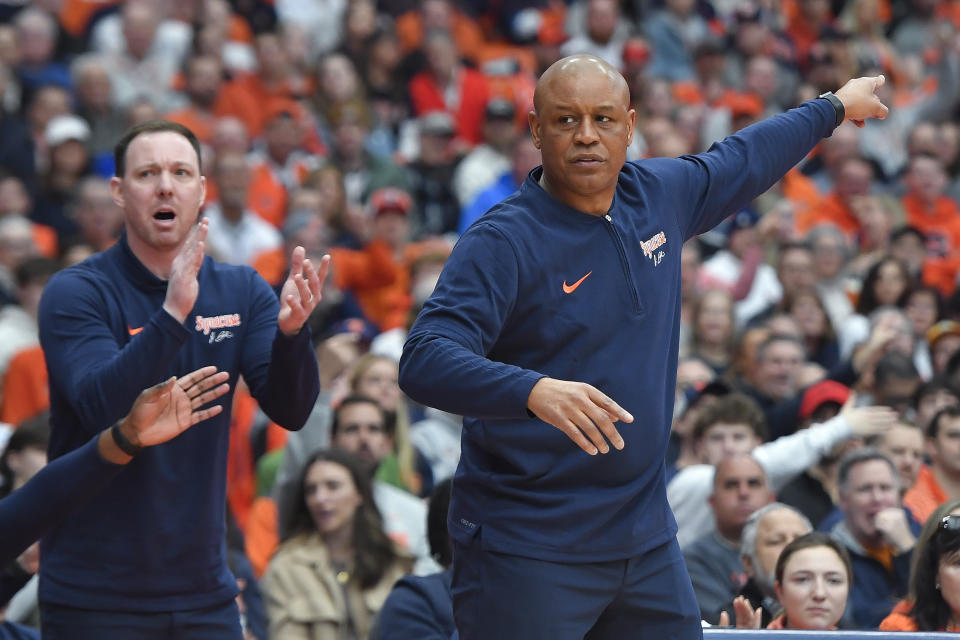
534	122
116	192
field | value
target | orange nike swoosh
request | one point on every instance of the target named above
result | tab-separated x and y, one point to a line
134	332
570	288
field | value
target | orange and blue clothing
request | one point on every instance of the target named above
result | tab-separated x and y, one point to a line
154	540
900	619
926	494
536	288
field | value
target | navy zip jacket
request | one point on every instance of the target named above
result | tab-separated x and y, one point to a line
154	539
535	288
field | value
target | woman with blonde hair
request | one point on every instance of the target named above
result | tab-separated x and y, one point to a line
376	376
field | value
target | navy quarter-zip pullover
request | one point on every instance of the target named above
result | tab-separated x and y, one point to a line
154	539
535	288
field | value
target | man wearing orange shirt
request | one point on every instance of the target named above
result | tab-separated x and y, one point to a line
385	306
852	180
935	214
284	162
928	209
412	26
276	75
211	97
940	481
447	85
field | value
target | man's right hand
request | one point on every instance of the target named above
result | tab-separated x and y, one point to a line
581	411
182	286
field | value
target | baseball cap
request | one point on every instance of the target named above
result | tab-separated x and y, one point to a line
636	51
437	123
65	128
744	219
942	328
390	200
715	387
501	109
820	393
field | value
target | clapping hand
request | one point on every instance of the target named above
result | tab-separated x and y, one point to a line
747	617
182	285
301	291
166	410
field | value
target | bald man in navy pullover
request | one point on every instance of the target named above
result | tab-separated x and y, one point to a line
557	316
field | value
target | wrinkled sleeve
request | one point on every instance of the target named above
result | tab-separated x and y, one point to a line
711	186
280	370
50	496
444	362
100	378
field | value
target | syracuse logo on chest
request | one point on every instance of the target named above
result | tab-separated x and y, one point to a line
650	247
217	327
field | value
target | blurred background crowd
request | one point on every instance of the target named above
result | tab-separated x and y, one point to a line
378	130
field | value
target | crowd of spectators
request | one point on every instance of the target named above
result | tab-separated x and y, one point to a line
378	130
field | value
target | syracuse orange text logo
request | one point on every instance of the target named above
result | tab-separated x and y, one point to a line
217	322
654	243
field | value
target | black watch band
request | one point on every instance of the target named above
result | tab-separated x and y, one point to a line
121	441
838	107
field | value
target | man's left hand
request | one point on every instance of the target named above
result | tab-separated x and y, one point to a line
301	291
166	410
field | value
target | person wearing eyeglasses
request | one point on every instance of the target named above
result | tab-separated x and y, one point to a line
933	603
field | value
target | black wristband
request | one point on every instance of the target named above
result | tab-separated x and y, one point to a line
839	110
121	441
